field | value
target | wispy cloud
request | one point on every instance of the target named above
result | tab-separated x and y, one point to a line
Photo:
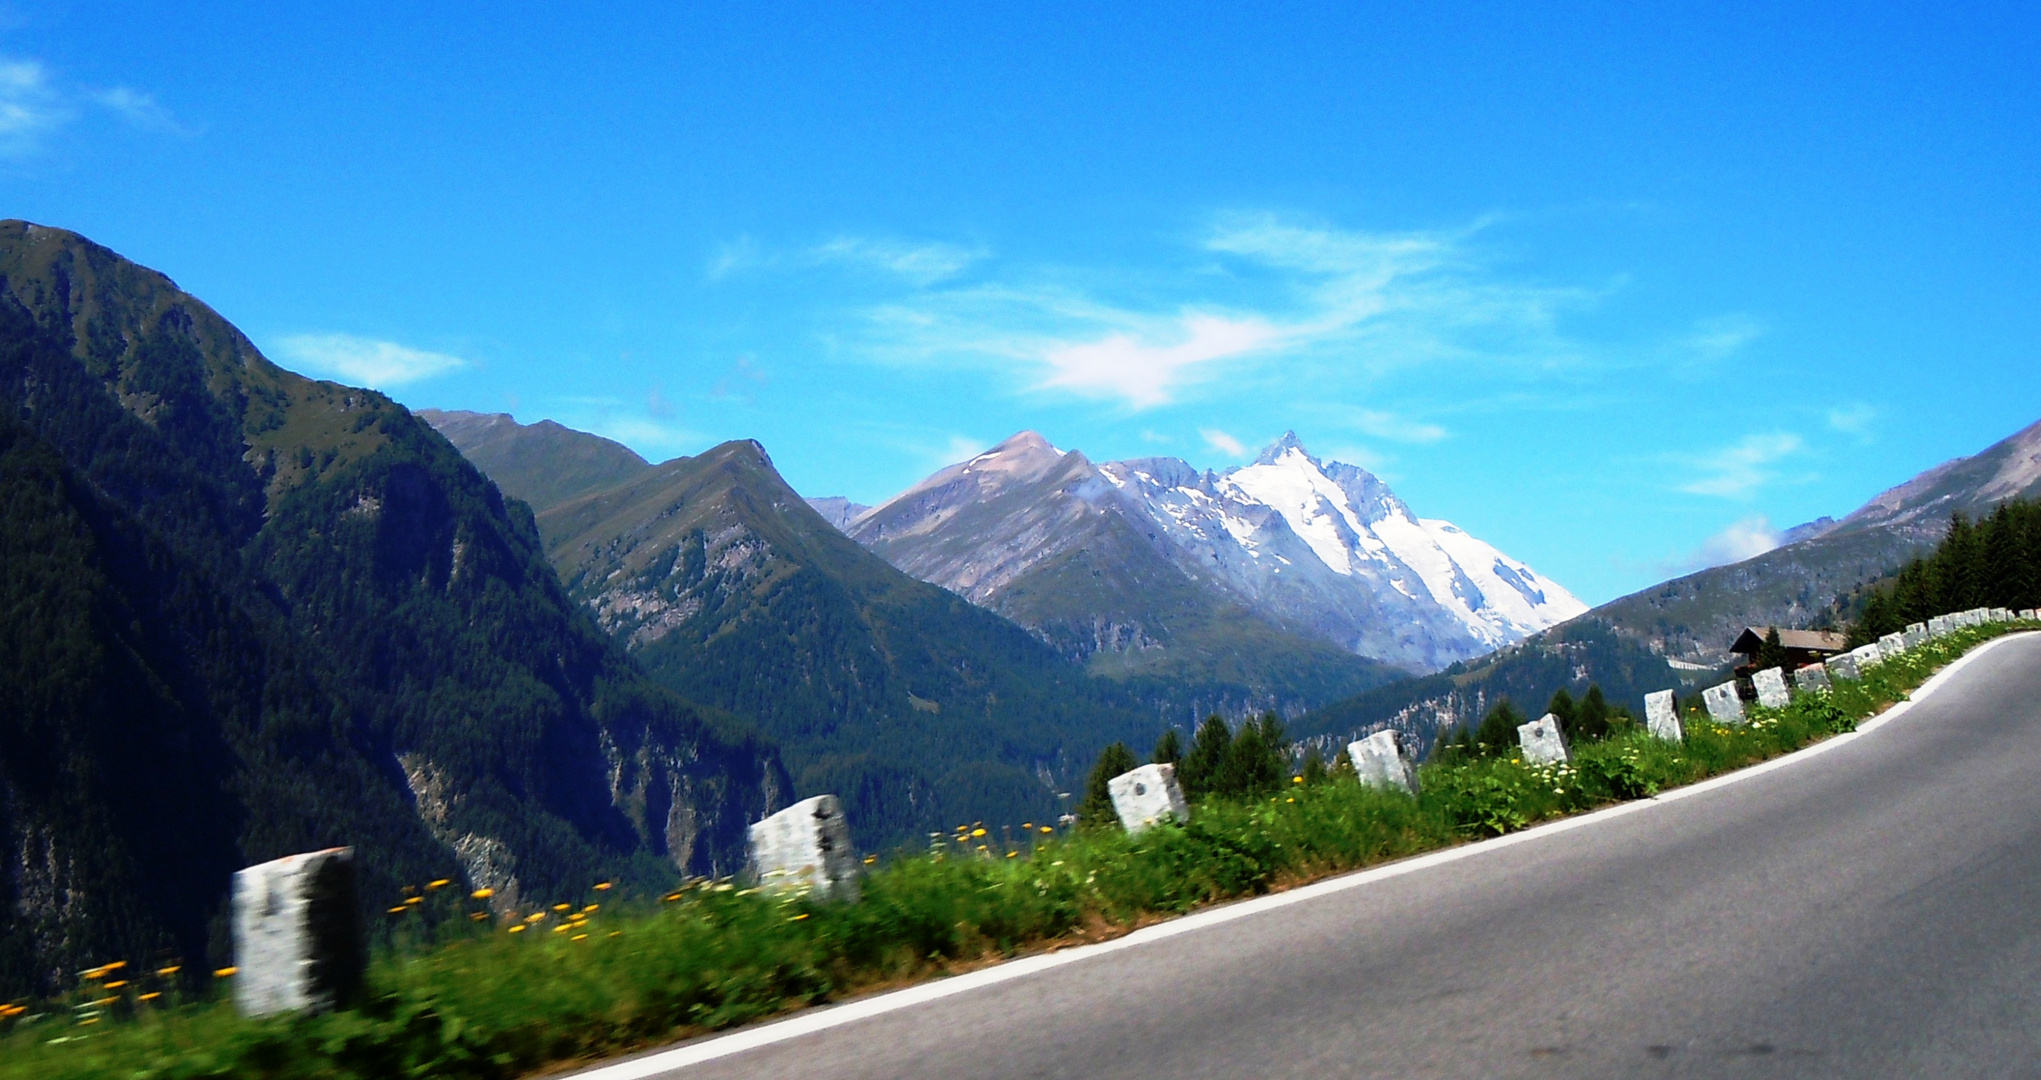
1222	442
1738	470
920	263
35	104
1144	371
365	361
1853	419
1383	425
1722	336
1744	539
1284	297
924	263
139	110
30	107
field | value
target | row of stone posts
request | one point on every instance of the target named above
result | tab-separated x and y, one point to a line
299	942
1774	691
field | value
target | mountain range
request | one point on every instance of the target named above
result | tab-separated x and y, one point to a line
916	707
244	613
1676	635
1693	618
1128	562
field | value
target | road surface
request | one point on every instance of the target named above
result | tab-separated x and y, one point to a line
1872	910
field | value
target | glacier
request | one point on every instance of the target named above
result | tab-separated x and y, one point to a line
1324	548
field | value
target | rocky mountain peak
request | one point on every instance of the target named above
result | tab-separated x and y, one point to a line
1283	447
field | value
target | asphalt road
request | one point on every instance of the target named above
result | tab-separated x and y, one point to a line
1869	911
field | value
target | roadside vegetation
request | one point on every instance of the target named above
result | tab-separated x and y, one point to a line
590	975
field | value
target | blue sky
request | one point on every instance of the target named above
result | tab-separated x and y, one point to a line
1619	293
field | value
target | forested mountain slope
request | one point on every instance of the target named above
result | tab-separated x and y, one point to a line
1695	617
916	707
246	613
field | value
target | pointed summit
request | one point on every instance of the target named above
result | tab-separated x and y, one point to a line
1282	446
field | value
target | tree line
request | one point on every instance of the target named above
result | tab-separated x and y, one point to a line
1591	719
1995	562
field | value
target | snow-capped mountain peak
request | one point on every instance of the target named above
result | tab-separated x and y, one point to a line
1323	548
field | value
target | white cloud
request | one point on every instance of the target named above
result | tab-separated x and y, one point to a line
1289	303
1852	419
1719	337
139	109
30	107
34	103
1222	442
1739	470
1395	428
922	263
1143	371
1745	539
365	361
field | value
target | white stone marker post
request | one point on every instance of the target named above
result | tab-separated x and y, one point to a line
1661	719
1844	667
1724	705
1148	795
298	943
1811	677
1916	635
1380	761
1891	645
1543	741
2026	614
806	848
1938	626
1771	687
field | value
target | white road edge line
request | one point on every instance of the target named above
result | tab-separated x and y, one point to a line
823	1018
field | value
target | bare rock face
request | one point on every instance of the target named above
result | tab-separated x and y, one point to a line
1147	795
298	944
806	848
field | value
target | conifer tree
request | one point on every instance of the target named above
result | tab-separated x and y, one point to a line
1314	766
1498	731
1591	720
1168	749
1771	652
1200	767
1561	707
1097	808
1343	766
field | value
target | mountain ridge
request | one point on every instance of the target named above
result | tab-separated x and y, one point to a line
308	596
1314	550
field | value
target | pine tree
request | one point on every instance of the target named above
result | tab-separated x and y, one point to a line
1097	809
1561	708
1314	766
1343	766
1200	767
1168	749
1498	731
1591	720
1771	651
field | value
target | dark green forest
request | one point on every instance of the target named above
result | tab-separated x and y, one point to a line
1993	562
244	614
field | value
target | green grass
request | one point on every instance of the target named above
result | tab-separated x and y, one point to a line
490	1003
